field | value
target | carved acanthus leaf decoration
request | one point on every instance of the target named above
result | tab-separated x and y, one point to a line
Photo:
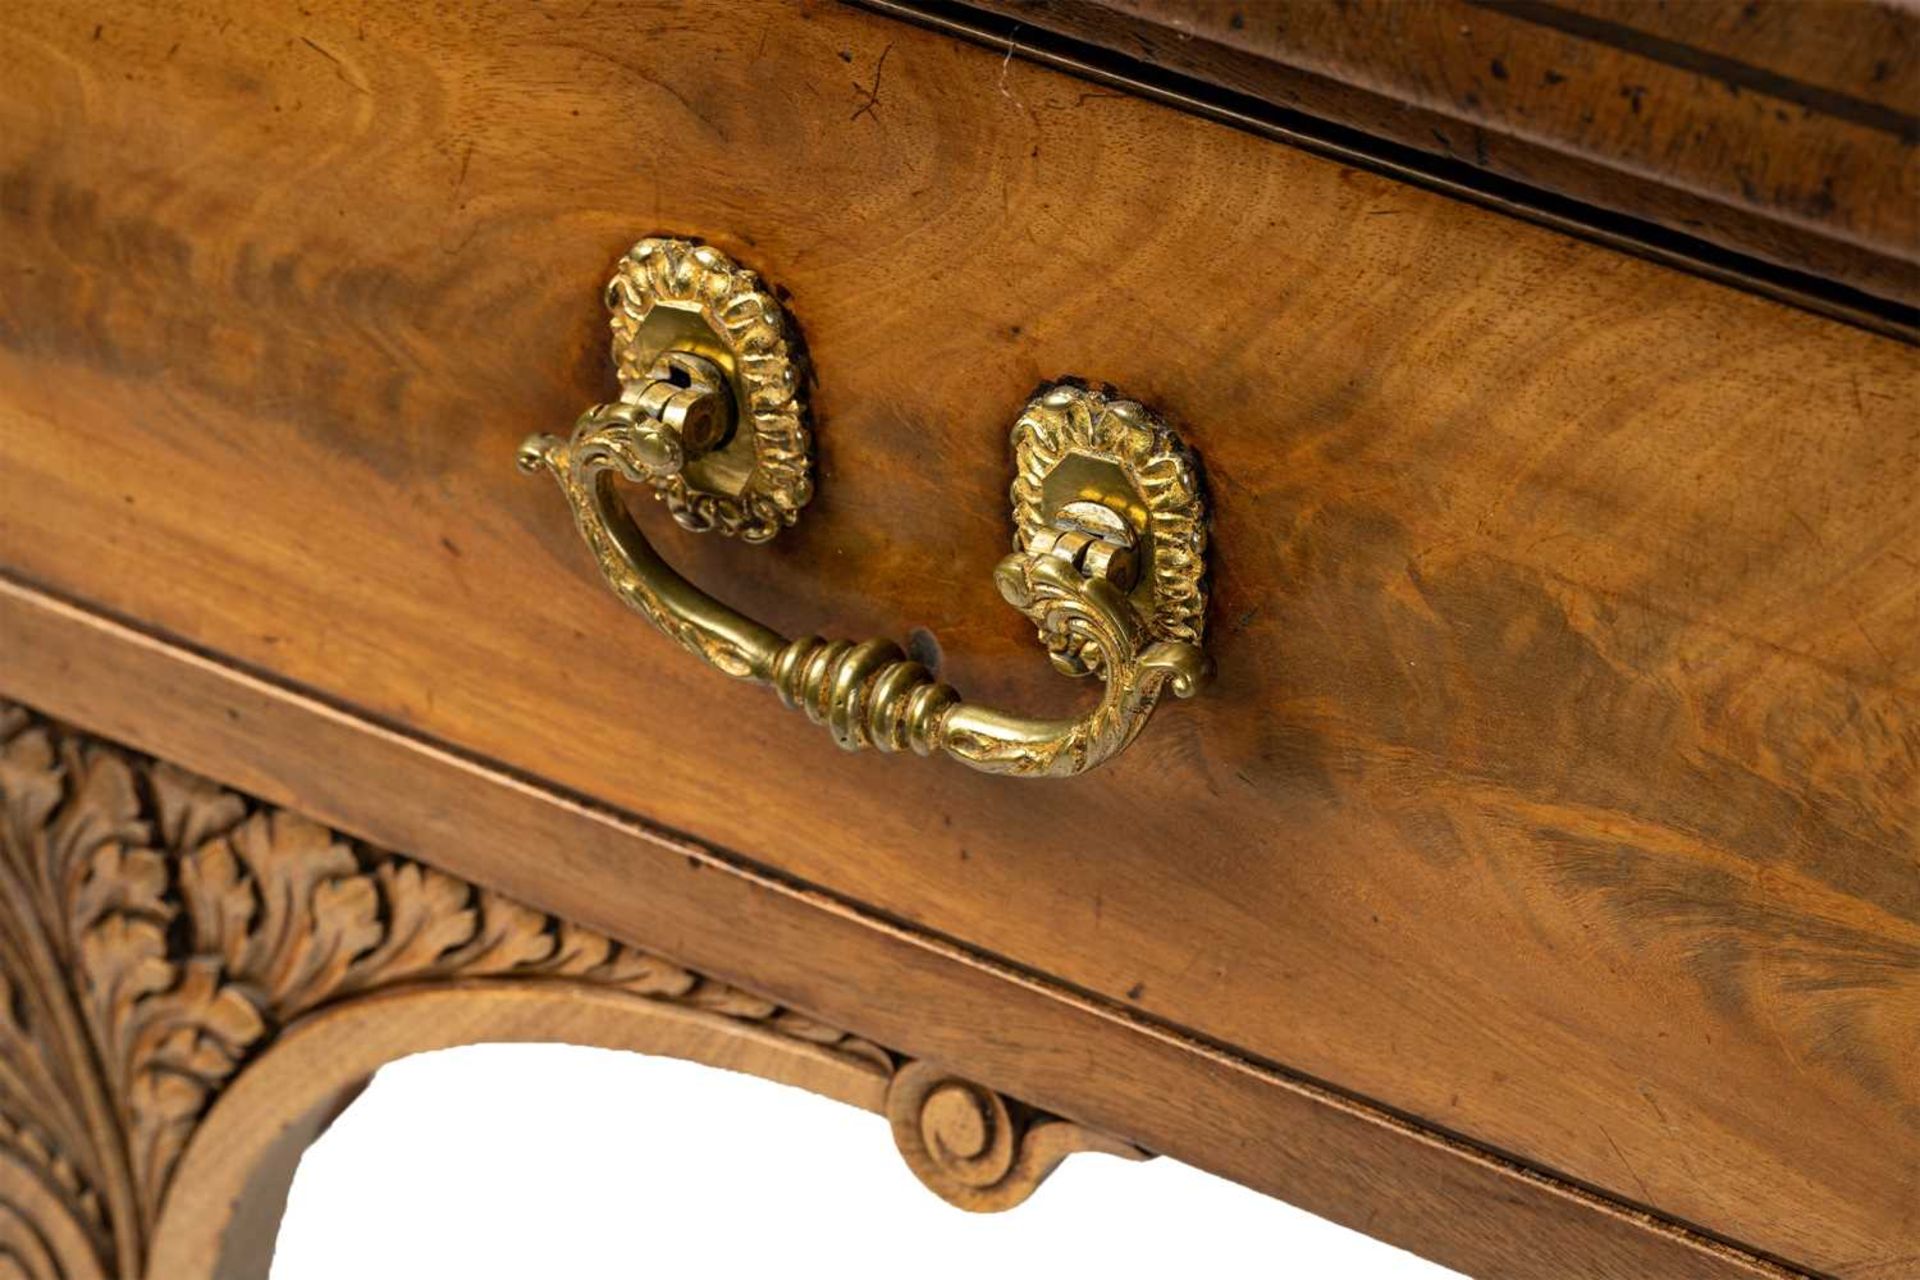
158	931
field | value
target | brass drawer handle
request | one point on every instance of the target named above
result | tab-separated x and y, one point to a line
1110	557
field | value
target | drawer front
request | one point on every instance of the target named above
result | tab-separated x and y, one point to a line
1558	785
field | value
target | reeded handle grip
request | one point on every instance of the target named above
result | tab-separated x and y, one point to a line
1106	505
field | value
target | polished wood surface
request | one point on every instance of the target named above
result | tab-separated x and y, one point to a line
922	995
1781	129
1559	784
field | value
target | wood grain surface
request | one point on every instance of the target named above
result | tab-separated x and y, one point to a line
1560	783
927	997
1776	128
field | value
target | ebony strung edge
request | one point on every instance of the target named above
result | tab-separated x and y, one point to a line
1890	313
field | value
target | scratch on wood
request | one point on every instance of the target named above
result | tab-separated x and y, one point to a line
339	67
466	159
1646	1197
869	107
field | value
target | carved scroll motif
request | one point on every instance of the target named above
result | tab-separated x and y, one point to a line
158	932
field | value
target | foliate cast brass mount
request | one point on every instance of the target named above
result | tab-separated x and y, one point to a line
710	412
1110	538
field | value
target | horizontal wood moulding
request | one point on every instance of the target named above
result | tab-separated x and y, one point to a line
1777	129
1558	786
1339	1156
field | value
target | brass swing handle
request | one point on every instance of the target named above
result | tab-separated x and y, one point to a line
871	694
1111	537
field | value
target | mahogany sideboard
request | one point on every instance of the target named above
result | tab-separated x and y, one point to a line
1399	528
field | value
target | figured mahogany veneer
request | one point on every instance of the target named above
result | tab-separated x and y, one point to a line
1559	788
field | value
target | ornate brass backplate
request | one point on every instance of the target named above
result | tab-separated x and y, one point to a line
1109	555
681	311
1103	481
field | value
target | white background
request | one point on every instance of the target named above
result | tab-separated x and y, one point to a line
548	1162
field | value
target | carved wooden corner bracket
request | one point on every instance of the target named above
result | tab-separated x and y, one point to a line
186	973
